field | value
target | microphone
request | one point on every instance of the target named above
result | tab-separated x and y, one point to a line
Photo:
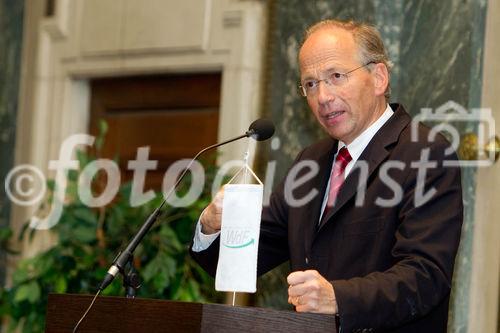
260	130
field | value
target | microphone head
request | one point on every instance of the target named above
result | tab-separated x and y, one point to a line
261	129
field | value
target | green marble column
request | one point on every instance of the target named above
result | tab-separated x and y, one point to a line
11	35
437	51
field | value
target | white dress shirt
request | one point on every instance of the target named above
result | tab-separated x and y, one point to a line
356	147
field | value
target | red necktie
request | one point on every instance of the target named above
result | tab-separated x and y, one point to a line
337	177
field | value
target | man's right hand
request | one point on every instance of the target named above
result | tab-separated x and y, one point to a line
212	216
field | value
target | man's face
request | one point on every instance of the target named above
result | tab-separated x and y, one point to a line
346	110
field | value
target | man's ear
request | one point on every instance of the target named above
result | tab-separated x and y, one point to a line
381	77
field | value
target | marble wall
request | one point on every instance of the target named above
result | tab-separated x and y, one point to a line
11	32
436	48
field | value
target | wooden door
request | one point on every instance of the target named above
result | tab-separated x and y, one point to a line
175	115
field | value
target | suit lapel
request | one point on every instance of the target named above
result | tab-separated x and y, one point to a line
313	208
374	154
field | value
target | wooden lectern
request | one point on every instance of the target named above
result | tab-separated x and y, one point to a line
119	314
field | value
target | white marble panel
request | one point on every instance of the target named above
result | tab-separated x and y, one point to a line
101	26
225	25
166	24
484	306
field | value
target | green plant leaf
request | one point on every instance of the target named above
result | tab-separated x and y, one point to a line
29	292
21	274
61	285
83	158
51	184
5	234
85	214
160	271
152	269
169	237
44	264
84	234
103	129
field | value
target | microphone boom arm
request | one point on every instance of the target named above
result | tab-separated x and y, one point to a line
123	257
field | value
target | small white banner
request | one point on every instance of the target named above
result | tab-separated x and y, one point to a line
239	241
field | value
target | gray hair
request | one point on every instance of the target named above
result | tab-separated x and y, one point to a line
370	45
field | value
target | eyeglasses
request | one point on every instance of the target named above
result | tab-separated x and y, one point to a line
310	87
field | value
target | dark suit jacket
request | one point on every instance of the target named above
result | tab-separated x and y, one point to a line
391	267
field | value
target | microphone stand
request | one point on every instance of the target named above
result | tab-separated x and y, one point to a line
131	280
260	130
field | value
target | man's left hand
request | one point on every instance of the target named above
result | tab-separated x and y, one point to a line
308	291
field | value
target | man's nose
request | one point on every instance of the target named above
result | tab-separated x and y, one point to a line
325	94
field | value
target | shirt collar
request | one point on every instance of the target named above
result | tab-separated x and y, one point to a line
359	144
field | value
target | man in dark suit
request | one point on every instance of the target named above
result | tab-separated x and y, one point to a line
371	232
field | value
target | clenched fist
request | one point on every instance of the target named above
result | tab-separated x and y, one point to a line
308	291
